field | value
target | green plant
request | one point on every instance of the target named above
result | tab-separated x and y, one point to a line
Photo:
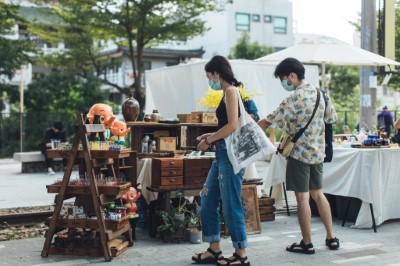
170	220
194	219
181	208
170	223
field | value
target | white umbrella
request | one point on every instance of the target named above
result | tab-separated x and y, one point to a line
329	53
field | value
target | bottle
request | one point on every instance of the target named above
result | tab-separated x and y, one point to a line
155	116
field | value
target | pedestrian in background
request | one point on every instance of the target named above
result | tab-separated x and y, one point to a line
385	120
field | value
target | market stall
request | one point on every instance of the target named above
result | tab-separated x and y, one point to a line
370	175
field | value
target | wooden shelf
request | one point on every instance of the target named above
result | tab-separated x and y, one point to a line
90	197
92	224
84	190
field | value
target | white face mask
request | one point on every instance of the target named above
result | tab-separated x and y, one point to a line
286	86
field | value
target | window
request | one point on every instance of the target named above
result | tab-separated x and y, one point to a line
267	19
242	22
280	25
255	18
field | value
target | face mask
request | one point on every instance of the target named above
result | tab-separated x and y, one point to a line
215	85
286	86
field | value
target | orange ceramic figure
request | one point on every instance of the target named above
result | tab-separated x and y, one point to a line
119	128
104	111
130	199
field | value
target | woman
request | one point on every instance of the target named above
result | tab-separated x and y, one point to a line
222	183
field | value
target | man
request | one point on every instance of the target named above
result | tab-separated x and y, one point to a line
56	132
305	162
385	120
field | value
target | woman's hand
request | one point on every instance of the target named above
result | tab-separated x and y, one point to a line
203	146
200	138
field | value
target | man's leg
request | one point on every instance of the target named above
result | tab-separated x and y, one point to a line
304	215
324	210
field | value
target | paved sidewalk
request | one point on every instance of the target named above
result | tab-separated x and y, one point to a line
358	246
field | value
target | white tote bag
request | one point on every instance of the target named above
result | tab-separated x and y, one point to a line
248	143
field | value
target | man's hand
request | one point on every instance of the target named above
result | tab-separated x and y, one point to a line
264	124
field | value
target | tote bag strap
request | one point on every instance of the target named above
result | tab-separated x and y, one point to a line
301	131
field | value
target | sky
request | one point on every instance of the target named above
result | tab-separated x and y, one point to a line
327	17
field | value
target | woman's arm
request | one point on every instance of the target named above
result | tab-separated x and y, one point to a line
232	106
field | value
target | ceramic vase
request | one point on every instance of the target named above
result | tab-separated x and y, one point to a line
155	116
130	109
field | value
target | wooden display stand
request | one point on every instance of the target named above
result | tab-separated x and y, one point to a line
91	197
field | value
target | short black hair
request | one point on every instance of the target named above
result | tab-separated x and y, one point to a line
58	125
290	65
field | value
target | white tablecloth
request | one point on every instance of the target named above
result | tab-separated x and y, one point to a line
144	178
371	175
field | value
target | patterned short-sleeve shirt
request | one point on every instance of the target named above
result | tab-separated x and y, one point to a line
293	114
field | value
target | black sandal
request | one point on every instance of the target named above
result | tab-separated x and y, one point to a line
237	258
329	242
301	248
209	260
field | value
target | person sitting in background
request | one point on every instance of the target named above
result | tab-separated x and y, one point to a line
251	109
396	136
56	132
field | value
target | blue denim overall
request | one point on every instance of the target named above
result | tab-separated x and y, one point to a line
223	184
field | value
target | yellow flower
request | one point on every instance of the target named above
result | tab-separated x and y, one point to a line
212	98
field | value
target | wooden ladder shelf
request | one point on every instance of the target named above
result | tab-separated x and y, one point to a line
92	167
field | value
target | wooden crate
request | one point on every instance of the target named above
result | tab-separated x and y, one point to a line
117	246
266	209
188	118
166	144
207	117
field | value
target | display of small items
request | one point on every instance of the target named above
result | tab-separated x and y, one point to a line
101	180
112	213
148	145
77	238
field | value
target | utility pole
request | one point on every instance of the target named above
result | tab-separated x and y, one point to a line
367	79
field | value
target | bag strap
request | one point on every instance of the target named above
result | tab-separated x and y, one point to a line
301	131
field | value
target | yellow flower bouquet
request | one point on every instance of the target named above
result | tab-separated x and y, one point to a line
212	97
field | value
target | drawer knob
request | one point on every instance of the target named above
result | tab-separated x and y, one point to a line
172	180
172	172
172	163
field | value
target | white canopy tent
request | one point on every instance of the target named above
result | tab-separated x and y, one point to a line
178	89
329	53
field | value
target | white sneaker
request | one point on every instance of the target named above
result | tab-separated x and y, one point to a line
50	170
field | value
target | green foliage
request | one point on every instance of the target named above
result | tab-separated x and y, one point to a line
344	92
170	221
133	24
245	49
13	53
64	92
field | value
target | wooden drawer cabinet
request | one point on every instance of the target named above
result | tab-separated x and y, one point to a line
167	172
195	171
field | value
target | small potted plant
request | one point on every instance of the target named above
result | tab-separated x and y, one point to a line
181	209
195	234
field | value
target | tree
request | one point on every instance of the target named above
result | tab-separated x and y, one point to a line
13	53
64	92
344	92
244	49
130	23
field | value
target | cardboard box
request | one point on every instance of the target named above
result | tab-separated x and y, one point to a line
166	144
207	117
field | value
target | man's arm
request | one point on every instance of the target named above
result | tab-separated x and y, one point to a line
264	124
